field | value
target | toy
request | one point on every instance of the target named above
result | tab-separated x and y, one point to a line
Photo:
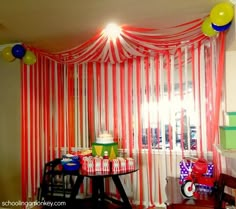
196	177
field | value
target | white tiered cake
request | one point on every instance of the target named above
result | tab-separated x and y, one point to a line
105	138
105	143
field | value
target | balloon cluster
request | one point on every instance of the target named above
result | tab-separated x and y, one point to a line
220	19
10	53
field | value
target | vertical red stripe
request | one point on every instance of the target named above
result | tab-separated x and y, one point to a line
34	186
80	109
169	100
60	109
147	90
219	84
130	105
90	87
53	108
107	115
115	118
140	160
181	99
170	139
81	97
208	105
26	132
44	112
40	65
71	112
157	67
193	73
47	109
36	123
23	134
147	77
122	97
106	96
32	128
98	77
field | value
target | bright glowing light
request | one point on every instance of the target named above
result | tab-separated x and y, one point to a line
233	2
112	31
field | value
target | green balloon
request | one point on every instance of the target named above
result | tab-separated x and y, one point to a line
207	29
29	58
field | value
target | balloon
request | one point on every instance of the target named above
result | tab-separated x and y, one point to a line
29	58
221	28
7	54
207	28
18	51
222	14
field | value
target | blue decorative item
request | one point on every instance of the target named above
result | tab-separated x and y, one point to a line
70	162
221	28
69	156
71	166
65	161
18	51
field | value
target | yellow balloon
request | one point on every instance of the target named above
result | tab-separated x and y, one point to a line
222	14
207	29
7	54
29	58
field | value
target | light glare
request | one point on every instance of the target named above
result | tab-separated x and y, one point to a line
112	31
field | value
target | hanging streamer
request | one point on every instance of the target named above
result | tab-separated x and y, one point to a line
66	106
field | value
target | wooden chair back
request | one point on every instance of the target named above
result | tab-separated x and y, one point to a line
226	188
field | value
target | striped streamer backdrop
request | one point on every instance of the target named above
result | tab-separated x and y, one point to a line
65	106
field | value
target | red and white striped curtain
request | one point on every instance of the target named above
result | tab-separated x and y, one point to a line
149	103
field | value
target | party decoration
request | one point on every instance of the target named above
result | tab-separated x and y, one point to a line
18	51
7	54
222	14
29	58
221	28
207	28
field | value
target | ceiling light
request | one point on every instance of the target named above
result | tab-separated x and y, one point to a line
112	31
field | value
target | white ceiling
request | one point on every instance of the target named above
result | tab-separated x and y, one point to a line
56	25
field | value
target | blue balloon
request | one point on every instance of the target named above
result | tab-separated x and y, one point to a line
221	28
18	51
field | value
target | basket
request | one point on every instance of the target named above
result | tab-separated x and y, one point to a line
71	166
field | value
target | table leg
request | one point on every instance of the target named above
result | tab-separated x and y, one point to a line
98	189
101	186
94	189
76	187
121	190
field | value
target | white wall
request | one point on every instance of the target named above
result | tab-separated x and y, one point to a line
230	83
10	170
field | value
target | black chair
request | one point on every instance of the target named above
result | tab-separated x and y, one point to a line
56	182
225	187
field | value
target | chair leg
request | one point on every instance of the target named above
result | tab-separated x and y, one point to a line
64	187
39	195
